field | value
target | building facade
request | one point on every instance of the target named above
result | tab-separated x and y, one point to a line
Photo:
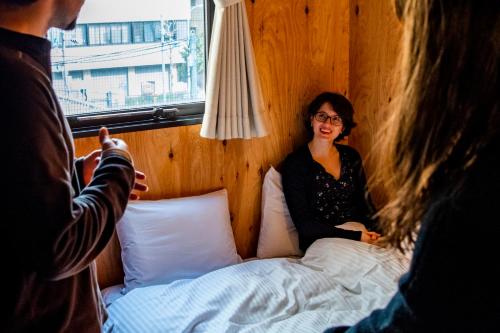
124	54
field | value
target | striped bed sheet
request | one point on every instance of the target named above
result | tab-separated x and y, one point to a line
337	282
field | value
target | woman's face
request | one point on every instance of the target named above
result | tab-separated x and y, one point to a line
326	123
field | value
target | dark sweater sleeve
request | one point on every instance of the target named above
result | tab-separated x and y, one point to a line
78	182
61	229
294	179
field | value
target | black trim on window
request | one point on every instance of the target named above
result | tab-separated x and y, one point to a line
140	119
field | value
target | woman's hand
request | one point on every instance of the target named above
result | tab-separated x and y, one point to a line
369	237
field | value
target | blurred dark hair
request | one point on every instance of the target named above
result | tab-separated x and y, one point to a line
340	105
447	110
17	2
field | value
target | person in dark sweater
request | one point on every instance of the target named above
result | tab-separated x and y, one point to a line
59	213
439	160
324	182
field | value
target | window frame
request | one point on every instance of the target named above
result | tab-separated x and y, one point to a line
149	117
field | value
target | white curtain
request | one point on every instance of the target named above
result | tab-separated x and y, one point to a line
234	102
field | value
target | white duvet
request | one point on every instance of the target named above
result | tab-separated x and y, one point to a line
337	282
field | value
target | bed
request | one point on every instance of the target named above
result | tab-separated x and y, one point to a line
176	282
337	282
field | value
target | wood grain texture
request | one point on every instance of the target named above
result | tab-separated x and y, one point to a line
302	49
375	34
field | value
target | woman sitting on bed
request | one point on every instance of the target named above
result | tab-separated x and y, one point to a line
324	182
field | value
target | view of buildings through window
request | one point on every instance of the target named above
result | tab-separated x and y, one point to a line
126	54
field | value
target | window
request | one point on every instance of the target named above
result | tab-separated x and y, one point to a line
129	69
120	33
152	31
76	37
138	29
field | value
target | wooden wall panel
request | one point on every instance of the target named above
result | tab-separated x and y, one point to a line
375	36
302	48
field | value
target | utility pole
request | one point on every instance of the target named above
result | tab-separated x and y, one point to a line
191	63
65	79
170	46
162	30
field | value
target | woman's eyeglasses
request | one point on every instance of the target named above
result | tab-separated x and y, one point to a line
323	117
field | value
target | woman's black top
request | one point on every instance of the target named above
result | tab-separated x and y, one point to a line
318	202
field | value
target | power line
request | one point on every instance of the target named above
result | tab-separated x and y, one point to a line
104	56
112	55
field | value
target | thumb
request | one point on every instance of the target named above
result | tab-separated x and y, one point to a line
104	138
103	135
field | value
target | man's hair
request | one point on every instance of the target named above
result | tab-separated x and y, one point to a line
340	104
17	2
447	110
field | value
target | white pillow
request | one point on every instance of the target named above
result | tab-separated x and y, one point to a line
171	239
278	236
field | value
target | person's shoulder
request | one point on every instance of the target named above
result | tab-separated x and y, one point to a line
471	199
297	158
298	155
22	82
483	175
349	151
18	74
28	101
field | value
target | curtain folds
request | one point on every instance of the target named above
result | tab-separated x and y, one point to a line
234	101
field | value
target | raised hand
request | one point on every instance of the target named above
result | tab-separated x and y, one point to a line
112	143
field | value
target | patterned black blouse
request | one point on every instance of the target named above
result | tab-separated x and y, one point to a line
318	202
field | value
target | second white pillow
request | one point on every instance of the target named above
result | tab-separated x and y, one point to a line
278	236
